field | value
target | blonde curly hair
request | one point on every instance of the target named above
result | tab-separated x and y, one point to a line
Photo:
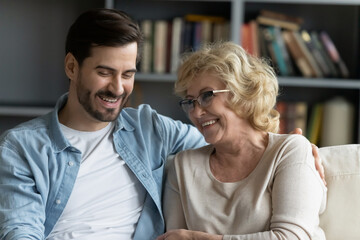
251	80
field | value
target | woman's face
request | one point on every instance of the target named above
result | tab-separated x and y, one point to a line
217	122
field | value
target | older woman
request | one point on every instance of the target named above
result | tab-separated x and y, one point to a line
249	182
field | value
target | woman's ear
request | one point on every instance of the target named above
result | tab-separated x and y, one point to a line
71	66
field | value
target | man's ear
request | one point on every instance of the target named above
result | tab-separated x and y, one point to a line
71	66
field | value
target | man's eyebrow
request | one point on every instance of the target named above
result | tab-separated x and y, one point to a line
105	67
131	70
114	70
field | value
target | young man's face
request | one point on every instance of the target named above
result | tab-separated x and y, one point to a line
105	80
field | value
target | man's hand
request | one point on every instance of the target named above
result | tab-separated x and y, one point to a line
315	151
296	131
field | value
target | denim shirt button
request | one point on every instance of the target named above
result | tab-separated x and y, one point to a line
70	163
58	201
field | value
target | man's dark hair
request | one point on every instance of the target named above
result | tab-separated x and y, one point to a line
102	27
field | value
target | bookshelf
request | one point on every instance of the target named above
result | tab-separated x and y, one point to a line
317	15
46	82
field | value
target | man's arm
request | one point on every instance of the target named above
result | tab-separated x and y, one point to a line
180	136
21	210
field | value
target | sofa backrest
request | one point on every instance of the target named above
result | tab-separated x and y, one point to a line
341	219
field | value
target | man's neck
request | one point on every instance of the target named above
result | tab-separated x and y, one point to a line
71	119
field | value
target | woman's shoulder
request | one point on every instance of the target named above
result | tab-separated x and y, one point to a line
290	148
288	140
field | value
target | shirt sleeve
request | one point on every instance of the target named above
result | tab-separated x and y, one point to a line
179	136
297	197
173	212
22	213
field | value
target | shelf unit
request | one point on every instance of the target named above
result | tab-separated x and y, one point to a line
156	89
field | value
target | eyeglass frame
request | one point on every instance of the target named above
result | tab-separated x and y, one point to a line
191	102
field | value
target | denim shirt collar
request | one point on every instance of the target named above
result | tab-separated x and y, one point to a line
123	124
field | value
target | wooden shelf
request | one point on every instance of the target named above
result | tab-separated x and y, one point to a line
23	111
327	2
283	81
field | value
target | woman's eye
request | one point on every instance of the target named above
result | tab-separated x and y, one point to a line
207	95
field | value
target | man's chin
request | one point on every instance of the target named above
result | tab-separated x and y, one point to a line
109	115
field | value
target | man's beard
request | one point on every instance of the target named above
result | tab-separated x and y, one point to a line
110	114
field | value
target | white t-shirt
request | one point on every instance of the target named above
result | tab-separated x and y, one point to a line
107	198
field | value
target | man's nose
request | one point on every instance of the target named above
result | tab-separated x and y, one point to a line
116	85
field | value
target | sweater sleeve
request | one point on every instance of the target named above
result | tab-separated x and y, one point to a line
172	208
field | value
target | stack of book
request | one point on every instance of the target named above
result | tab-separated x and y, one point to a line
292	50
292	115
166	40
324	123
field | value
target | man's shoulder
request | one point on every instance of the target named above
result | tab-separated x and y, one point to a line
139	111
145	114
136	113
27	131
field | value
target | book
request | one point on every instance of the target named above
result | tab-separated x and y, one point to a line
315	52
281	16
168	46
202	33
197	35
246	37
200	18
338	122
267	41
292	115
309	58
187	37
147	51
300	54
278	23
177	32
202	27
334	54
318	45
283	51
221	31
160	46
300	117
263	48
254	32
278	50
313	132
281	108
206	31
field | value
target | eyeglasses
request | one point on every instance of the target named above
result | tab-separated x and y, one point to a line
204	100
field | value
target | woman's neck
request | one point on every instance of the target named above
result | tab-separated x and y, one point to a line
234	161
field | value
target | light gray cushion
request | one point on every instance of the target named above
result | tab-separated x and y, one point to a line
341	219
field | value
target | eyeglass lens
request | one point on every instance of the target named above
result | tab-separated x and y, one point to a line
203	99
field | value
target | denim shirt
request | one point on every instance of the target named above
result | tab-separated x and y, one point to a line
38	168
